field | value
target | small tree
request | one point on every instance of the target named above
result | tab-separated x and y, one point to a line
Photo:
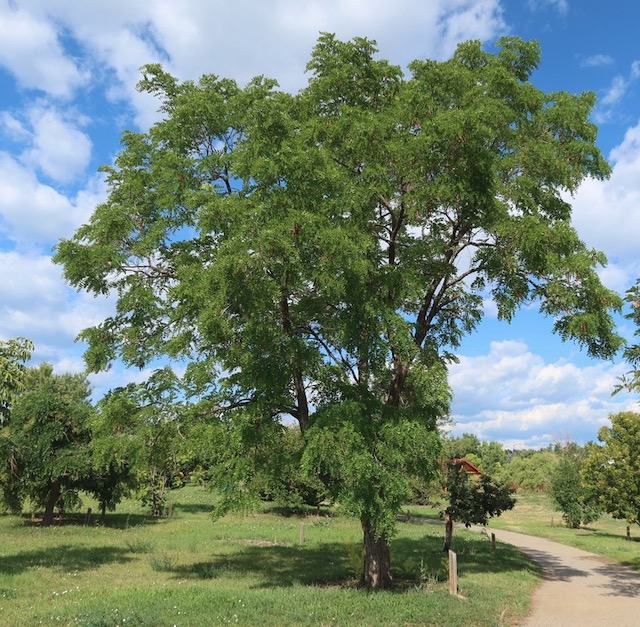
568	491
612	469
472	501
49	434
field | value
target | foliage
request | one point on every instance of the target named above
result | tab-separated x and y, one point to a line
473	500
612	469
534	514
493	457
316	256
631	380
49	436
457	447
13	354
530	471
136	436
568	491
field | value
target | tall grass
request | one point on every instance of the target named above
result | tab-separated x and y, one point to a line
190	570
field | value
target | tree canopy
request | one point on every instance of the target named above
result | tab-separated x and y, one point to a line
49	435
13	355
472	500
316	257
612	469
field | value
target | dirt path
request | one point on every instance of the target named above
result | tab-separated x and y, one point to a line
580	589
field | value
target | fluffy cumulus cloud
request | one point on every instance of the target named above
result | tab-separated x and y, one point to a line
512	395
59	149
35	303
606	212
34	212
31	50
122	36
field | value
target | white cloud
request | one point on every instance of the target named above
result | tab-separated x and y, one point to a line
618	91
13	128
607	213
33	212
35	303
512	395
31	51
58	148
561	6
597	60
273	37
615	92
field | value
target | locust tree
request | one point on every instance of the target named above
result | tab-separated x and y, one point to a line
631	380
316	257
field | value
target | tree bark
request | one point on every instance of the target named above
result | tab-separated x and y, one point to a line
298	378
448	530
377	559
52	499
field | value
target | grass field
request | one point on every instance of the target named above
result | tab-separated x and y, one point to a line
534	515
248	570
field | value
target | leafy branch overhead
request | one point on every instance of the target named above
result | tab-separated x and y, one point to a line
318	256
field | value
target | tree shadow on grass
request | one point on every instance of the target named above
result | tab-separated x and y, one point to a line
276	565
474	555
607	534
64	558
336	563
113	520
192	508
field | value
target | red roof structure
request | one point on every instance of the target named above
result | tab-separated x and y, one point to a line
468	467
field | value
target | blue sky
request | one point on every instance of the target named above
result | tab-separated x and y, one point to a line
68	70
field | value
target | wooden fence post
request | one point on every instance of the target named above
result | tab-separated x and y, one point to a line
301	532
493	542
453	573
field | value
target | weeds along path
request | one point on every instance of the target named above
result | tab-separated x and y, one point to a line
579	588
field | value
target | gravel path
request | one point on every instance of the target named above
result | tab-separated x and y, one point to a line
580	589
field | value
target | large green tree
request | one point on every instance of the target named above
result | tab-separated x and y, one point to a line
612	469
316	256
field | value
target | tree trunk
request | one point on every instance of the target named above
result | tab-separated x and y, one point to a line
448	530
52	499
377	559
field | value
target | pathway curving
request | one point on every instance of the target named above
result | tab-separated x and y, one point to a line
579	589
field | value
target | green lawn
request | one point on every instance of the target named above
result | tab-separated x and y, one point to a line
534	515
189	570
